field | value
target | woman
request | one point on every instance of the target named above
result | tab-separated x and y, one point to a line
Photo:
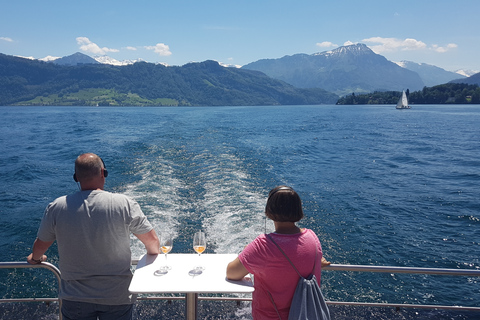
275	279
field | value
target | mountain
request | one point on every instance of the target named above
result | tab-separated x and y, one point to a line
347	69
467	73
475	79
75	59
430	75
33	82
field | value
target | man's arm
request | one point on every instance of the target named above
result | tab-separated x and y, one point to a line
151	242
38	250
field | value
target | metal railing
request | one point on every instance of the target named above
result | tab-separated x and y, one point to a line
44	265
409	270
363	268
333	267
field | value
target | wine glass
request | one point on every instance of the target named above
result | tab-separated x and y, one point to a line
199	245
166	245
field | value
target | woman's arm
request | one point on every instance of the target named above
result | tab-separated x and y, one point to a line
236	270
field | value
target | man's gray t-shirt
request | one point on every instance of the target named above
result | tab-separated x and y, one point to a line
92	229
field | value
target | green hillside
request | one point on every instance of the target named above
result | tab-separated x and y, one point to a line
32	82
449	93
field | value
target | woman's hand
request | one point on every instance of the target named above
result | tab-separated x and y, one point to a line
325	262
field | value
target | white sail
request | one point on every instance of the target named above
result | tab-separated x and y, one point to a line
403	102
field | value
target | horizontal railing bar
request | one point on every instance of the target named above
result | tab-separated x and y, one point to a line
160	298
406	305
199	298
410	270
364	304
30	300
341	303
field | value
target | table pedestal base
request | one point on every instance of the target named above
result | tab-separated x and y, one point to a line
191	300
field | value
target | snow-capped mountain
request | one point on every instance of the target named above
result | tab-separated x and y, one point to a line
354	68
467	73
80	58
356	49
431	75
114	62
49	58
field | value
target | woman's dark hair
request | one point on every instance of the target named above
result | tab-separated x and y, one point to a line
284	205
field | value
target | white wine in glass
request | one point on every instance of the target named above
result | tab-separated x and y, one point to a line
199	245
166	245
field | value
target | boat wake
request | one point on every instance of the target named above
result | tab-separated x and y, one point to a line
208	191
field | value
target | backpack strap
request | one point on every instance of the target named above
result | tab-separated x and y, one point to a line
274	305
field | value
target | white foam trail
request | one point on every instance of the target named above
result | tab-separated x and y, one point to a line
157	194
231	208
232	205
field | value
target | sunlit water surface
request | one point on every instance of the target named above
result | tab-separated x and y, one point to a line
379	187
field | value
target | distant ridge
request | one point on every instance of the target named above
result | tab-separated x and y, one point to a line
467	73
430	75
345	70
475	79
32	82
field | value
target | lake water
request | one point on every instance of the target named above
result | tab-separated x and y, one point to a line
379	186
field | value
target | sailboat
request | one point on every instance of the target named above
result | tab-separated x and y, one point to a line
403	102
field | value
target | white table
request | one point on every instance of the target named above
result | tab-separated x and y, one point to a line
180	280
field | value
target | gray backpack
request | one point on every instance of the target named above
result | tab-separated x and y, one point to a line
308	302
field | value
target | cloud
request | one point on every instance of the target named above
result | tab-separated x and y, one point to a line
326	44
439	49
392	44
88	46
131	48
380	45
160	48
6	39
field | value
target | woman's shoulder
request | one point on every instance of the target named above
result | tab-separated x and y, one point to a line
307	231
309	234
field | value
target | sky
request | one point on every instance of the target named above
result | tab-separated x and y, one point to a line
175	32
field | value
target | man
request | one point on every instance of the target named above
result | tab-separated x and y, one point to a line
92	228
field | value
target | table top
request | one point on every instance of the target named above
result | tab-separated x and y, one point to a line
180	279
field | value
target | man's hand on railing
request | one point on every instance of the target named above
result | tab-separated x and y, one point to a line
35	261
